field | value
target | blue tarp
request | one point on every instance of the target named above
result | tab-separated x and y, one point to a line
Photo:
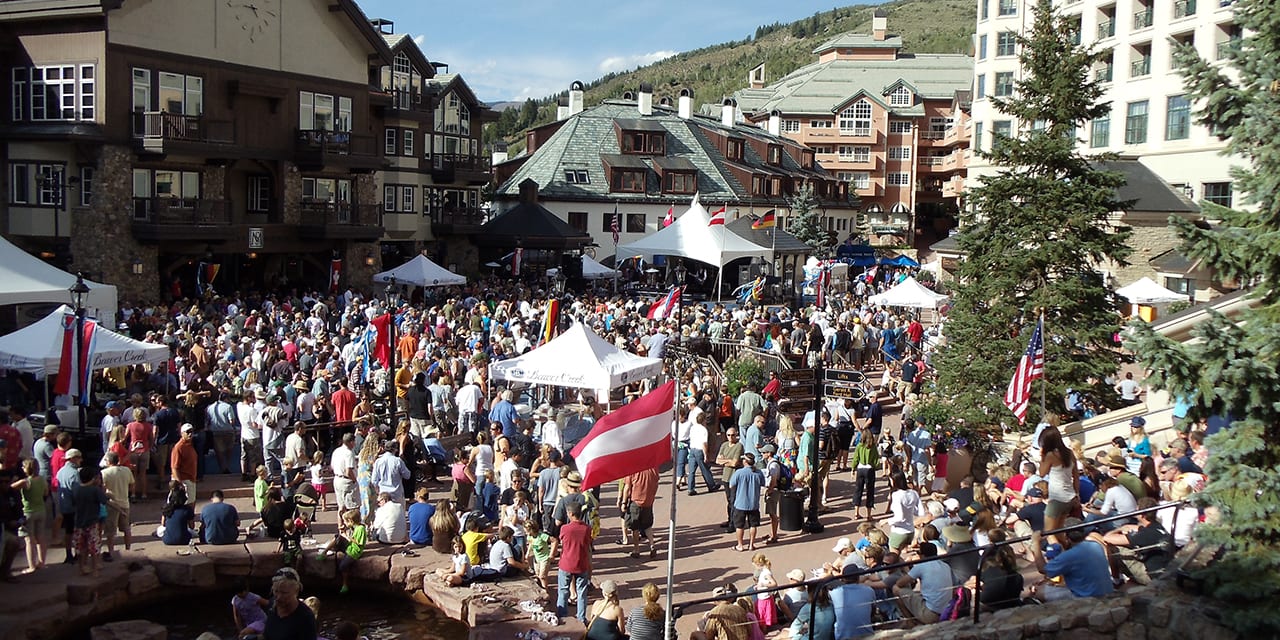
900	261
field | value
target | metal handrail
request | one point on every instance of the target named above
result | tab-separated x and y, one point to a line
678	610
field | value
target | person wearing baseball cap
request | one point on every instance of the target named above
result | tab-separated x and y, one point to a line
1031	516
68	479
183	461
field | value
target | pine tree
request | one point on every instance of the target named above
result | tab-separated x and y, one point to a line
806	222
1034	234
1231	369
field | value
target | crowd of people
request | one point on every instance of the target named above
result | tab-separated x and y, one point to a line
293	393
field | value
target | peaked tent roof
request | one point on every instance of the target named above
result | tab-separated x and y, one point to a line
535	226
38	348
577	358
690	236
422	272
25	278
1147	291
591	270
909	293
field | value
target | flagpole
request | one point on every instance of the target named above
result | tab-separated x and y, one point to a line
1044	380
715	295
675	480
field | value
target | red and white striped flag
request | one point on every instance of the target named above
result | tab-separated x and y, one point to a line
616	227
629	440
717	217
75	367
666	307
671	217
1030	367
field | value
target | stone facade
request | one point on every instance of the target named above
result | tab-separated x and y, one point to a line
1150	236
357	274
108	223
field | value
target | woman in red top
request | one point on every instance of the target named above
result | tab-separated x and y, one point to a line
142	439
120	445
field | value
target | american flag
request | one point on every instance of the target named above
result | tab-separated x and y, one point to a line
617	224
1030	367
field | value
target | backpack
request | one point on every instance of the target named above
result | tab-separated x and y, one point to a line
786	476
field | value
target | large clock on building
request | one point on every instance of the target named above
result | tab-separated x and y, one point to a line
253	16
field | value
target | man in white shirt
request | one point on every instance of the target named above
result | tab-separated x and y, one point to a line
390	472
296	459
389	523
109	423
698	437
1129	389
343	464
468	399
250	434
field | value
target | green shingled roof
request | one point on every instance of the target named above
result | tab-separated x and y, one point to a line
817	89
859	41
588	139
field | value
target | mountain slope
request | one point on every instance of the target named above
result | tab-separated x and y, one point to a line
926	26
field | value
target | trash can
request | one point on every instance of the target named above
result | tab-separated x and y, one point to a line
791	510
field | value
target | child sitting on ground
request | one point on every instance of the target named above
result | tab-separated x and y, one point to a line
461	564
348	548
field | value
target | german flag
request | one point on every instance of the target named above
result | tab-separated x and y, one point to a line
767	221
550	322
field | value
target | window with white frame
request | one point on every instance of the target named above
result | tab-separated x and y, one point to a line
1004	83
856	119
389	198
821	124
850	153
406	199
901	97
898	178
258	198
1006	44
790	126
577	176
408	135
327	190
390	135
49	185
86	186
899	126
182	187
323	112
141	89
180	94
19	183
899	153
56	92
860	180
1008	7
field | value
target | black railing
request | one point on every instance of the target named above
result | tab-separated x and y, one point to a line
181	211
339	143
678	609
325	213
178	127
458	215
459	162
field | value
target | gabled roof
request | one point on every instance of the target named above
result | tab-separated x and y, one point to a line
858	95
534	225
1146	190
858	41
820	88
362	24
443	83
776	238
399	42
900	82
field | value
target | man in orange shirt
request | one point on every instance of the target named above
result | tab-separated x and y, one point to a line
638	490
407	347
183	461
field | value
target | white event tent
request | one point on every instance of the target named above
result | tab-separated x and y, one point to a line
691	237
909	293
38	348
1147	292
26	279
422	272
577	358
591	270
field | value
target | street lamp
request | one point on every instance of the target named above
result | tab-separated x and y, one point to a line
78	291
391	292
558	283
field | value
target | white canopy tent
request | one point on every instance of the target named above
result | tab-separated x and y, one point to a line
909	293
26	279
691	237
1147	292
591	270
422	272
38	348
580	359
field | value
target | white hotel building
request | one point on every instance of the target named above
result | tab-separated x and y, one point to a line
1150	119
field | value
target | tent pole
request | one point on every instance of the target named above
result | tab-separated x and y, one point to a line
675	487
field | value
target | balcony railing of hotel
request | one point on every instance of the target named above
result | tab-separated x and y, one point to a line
326	213
176	126
181	211
1184	8
1139	68
1104	74
1106	29
1224	48
342	143
858	132
459	162
931	134
1142	19
404	100
457	215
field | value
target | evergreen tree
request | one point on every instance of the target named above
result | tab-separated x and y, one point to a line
806	222
1231	370
1035	233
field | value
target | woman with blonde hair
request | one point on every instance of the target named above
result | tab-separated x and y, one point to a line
788	443
726	621
368	492
645	622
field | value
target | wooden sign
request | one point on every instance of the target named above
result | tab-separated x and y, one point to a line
841	391
844	375
796	375
795	406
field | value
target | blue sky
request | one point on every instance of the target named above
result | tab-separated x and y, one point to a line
517	49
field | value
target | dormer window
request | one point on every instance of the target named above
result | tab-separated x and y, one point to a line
775	155
806	159
646	142
680	182
901	97
402	63
733	149
628	180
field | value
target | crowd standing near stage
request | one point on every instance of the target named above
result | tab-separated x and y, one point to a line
291	393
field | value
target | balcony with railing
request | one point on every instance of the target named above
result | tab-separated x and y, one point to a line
1140	68
163	218
458	168
318	148
1143	19
339	221
163	132
1184	8
450	217
1104	74
404	100
1225	47
1106	28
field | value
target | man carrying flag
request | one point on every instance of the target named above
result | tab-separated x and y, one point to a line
767	221
1030	367
666	307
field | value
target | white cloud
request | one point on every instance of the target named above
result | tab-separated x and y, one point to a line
420	40
623	63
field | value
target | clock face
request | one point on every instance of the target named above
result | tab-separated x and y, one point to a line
253	16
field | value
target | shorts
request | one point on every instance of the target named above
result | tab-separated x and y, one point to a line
346	492
900	539
85	540
772	502
190	486
1058	508
638	518
746	519
345	562
117	520
34	524
912	604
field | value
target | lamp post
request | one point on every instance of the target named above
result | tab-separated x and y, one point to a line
680	273
78	291
558	283
391	292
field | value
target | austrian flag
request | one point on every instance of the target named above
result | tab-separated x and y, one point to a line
631	439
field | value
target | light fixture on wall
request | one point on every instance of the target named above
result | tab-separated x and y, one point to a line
368	259
136	267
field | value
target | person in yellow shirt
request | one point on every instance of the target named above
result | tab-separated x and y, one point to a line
404	379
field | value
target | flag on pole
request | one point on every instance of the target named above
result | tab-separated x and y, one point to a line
767	221
666	307
335	274
629	440
550	322
671	217
617	224
1030	367
382	343
74	367
717	218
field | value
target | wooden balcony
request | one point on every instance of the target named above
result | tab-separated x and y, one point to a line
163	132
315	149
460	169
457	220
340	221
166	219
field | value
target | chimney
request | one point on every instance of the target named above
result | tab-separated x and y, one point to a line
686	103
775	122
755	79
499	155
728	112
528	191
562	107
575	98
644	100
665	102
879	25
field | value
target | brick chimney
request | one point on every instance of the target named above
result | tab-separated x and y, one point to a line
644	99
528	191
685	108
575	98
728	112
879	25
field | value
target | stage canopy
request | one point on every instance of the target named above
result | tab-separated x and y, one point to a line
1146	291
38	348
591	270
421	272
577	358
26	279
691	237
909	293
